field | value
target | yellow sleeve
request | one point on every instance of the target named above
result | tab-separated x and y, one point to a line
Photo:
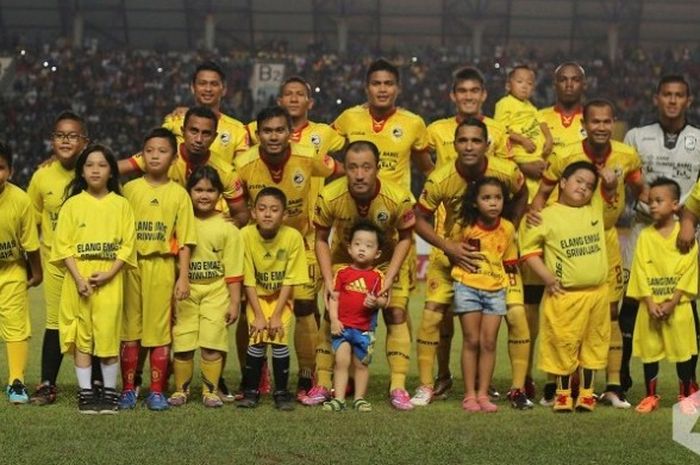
687	268
692	203
339	125
516	179
323	166
511	253
296	271
170	123
63	238
322	214
430	198
554	169
185	232
29	235
233	188
35	197
421	142
137	162
502	146
233	251
531	240
406	217
502	113
127	250
638	286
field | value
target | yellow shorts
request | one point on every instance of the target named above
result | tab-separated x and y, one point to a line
312	288
616	281
200	320
439	280
574	330
412	259
14	304
148	292
514	291
401	288
672	339
267	305
91	324
52	284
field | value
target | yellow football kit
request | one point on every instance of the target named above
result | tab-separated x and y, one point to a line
658	270
47	191
18	234
565	129
200	320
95	232
164	224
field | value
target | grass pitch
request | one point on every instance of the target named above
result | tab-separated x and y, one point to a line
441	433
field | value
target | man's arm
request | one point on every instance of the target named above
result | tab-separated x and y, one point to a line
422	160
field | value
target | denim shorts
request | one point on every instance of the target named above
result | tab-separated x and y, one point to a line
468	299
361	342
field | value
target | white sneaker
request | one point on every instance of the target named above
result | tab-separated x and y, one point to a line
423	396
544	402
614	399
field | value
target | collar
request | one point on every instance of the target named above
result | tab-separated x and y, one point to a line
666	131
592	156
186	158
466	176
484	227
276	170
296	133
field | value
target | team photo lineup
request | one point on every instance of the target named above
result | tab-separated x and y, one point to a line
291	237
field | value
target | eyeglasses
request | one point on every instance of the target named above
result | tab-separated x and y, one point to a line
71	136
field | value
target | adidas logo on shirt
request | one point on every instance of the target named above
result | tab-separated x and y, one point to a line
155	202
359	285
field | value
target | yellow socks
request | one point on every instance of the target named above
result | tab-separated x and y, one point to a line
518	344
182	370
324	355
17	353
398	347
427	345
211	372
305	335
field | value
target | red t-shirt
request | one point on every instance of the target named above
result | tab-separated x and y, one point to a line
352	286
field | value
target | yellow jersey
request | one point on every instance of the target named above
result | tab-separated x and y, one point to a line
95	229
621	158
441	136
572	241
219	251
164	218
390	209
270	264
497	244
231	136
521	117
293	178
692	203
18	232
396	136
47	190
659	269
446	186
565	129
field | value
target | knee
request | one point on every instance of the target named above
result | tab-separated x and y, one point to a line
394	316
487	345
471	343
304	308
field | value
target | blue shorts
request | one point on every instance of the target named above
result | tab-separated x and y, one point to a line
468	299
361	342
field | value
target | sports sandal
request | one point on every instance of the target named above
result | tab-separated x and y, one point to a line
334	405
362	405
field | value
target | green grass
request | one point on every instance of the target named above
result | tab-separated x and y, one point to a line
441	433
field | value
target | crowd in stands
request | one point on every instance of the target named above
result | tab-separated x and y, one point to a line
125	92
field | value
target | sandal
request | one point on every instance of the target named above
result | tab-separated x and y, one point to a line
334	405
362	405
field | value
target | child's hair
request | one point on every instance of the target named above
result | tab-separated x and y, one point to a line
511	73
469	212
581	165
79	184
205	172
162	133
72	116
272	192
6	154
670	183
366	225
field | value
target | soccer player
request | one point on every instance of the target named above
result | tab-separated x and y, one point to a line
445	186
567	251
165	237
275	262
353	315
215	273
46	189
362	194
291	167
399	135
665	281
95	239
18	236
670	147
199	132
619	166
208	89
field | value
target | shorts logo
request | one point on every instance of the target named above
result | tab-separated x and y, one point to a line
397	132
690	143
382	216
225	138
316	140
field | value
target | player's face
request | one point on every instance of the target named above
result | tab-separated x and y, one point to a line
577	189
268	214
204	196
274	135
158	155
489	202
382	90
199	133
295	99
598	124
96	172
468	96
521	84
361	170
208	89
364	248
5	173
68	140
470	145
672	100
569	85
661	203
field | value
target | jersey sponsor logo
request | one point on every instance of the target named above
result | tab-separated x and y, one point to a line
225	138
382	216
397	132
316	140
690	143
358	285
298	178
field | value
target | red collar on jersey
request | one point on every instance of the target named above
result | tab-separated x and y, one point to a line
378	123
568	117
588	150
188	161
276	169
362	204
296	133
484	227
466	176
